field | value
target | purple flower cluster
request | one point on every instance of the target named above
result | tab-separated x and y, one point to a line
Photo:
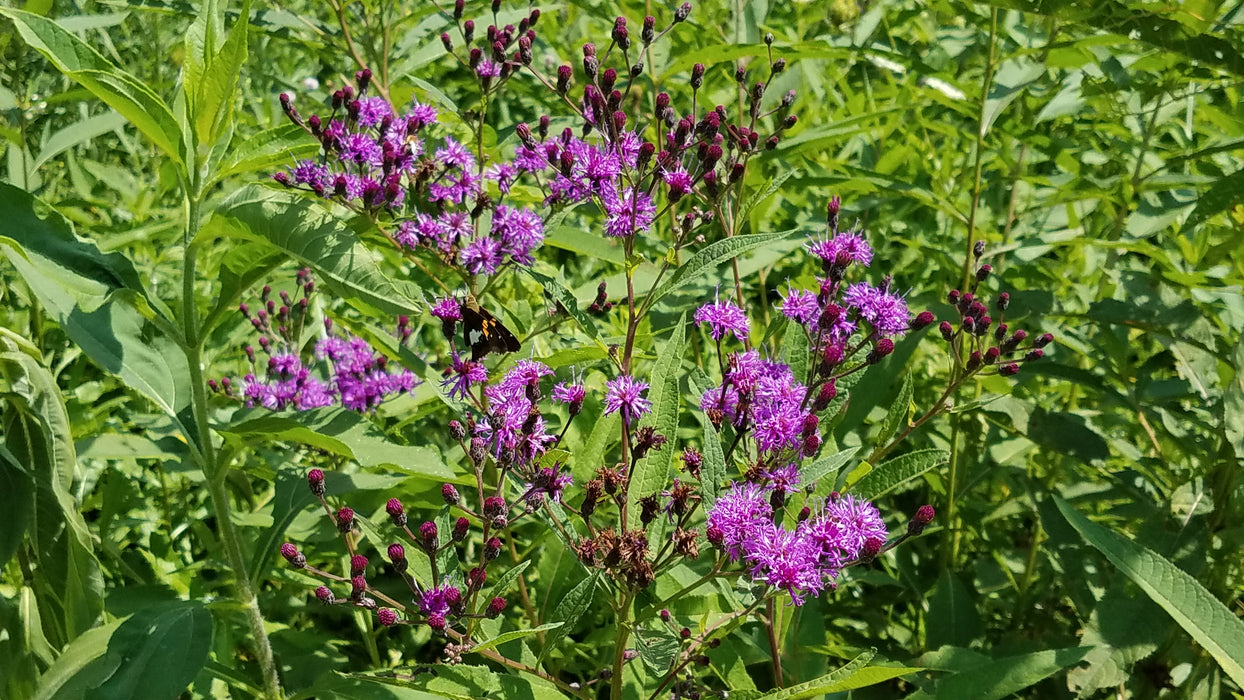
375	159
358	379
834	313
723	318
351	372
624	395
515	425
802	560
763	397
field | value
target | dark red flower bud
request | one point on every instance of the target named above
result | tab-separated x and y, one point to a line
315	480
492	548
924	515
884	347
714	535
396	512
1009	370
683	12
386	617
954	296
496	606
685	633
476	578
437	622
468	31
450	494
1034	354
494	507
293	556
1043	340
358	565
397	557
1004	300
345	519
324	595
991	355
697	76
827	393
947	330
461	527
982	272
975	361
922	320
358	586
446	41
427	533
872	547
649	31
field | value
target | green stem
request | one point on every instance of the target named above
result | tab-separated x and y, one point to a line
619	647
213	470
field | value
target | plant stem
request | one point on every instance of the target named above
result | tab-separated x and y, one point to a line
213	470
775	649
619	646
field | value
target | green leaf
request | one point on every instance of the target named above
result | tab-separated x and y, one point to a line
17	502
828	465
657	647
713	468
82	666
266	151
118	89
561	295
311	235
1233	402
836	681
339	431
76	134
895	472
706	260
462	682
211	72
37	434
569	610
1001	678
516	634
896	417
1203	616
1224	194
161	650
1012	78
504	581
953	619
97	299
652	472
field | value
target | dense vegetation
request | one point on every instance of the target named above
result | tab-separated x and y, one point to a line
167	522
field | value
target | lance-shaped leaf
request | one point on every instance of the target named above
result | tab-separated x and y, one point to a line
1196	610
653	470
312	235
706	260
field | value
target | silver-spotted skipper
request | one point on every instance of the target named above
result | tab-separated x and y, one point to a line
484	333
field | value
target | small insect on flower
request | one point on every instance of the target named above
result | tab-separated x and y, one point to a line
484	333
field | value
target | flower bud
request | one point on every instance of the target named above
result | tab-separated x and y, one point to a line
947	330
494	507
358	586
397	557
461	527
492	549
884	347
697	76
495	607
345	519
683	12
778	66
386	617
456	431
1043	340
427	533
1034	354
446	41
358	565
924	515
649	32
450	494
872	547
437	622
315	480
397	513
476	578
1004	300
665	615
325	595
293	556
982	272
922	320
714	535
978	249
1009	370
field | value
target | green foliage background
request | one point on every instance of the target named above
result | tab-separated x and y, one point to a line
1089	531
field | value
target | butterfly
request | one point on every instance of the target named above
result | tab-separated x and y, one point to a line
484	333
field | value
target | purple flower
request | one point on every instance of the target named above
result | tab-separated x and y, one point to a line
858	521
373	110
628	213
308	172
843	249
569	393
463	374
488	69
740	515
482	255
724	399
623	395
551	481
525	373
783	479
447	309
359	375
420	115
504	174
678	181
439	601
520	231
885	311
455	154
786	560
456	187
361	149
723	317
801	306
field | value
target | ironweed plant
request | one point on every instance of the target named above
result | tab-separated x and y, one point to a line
755	505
